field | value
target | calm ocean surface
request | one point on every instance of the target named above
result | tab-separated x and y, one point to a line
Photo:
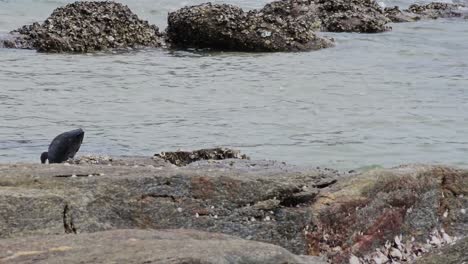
374	99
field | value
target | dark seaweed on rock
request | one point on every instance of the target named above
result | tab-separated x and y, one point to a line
182	158
227	27
88	27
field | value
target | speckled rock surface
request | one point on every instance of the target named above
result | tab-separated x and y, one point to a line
398	16
182	158
227	27
438	10
146	246
258	200
385	214
87	27
364	16
452	254
359	214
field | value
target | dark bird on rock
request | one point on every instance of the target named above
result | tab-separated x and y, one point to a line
64	146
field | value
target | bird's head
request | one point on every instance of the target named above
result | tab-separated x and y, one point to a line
44	157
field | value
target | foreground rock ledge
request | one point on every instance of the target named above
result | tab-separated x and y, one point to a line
258	200
306	211
151	246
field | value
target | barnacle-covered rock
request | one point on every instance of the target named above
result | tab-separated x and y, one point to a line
438	10
182	158
364	16
398	16
227	27
88	27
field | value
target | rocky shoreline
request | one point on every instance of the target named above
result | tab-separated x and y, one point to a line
285	25
136	206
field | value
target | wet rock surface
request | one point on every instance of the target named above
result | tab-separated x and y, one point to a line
364	212
146	246
438	10
182	158
364	16
227	27
269	204
87	27
398	16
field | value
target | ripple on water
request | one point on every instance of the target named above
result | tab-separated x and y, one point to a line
384	99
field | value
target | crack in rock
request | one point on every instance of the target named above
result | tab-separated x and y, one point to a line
68	224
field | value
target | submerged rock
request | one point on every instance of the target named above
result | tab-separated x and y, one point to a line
182	158
227	27
364	16
438	10
397	16
88	27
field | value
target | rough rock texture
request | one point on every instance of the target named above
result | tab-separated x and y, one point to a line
227	27
258	200
438	10
357	215
382	214
453	254
88	27
182	158
398	16
364	16
150	246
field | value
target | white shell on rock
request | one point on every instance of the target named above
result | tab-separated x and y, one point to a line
396	253
354	260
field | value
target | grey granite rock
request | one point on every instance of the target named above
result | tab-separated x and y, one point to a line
146	246
269	204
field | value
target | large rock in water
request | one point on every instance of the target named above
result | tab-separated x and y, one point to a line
364	16
88	27
436	10
227	27
432	10
150	246
397	16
